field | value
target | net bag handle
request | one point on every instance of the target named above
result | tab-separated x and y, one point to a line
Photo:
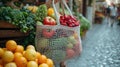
55	10
67	7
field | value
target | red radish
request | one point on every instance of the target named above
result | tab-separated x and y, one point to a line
68	20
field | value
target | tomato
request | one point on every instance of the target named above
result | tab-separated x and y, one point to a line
48	33
49	21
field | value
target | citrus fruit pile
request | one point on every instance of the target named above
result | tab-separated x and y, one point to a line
14	55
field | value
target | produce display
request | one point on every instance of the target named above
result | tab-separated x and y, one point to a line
99	14
14	55
21	18
58	42
41	13
32	8
25	19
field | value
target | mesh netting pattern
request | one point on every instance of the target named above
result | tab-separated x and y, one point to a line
58	42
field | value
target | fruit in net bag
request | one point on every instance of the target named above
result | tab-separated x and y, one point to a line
70	45
72	40
77	48
70	53
48	33
43	42
56	55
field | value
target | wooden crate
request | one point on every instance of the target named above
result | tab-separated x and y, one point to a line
9	31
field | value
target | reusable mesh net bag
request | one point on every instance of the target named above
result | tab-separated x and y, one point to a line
58	42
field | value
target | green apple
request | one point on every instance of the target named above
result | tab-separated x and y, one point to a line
56	55
72	40
70	45
39	23
43	43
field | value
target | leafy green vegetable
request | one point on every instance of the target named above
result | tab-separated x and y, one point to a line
23	18
85	24
41	13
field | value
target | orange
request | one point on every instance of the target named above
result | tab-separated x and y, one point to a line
19	48
50	63
8	56
50	11
5	49
24	53
11	64
1	52
21	62
32	64
1	65
17	55
1	62
11	45
42	59
38	55
30	47
30	54
43	65
75	35
36	60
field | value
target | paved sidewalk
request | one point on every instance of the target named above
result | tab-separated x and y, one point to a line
101	48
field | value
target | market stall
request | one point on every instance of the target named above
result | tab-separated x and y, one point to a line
99	11
54	35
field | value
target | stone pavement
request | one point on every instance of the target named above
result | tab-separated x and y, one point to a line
101	47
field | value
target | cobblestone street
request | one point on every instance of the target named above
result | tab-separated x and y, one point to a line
101	47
